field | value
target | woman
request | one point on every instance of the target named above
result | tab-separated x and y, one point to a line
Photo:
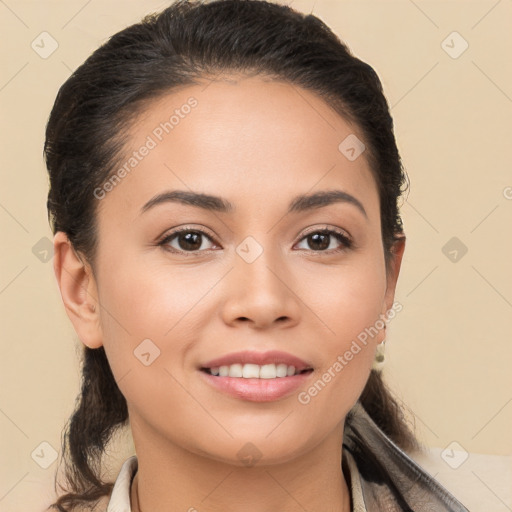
224	181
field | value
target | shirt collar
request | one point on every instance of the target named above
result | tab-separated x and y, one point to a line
120	497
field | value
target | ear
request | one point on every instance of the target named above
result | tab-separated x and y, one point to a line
78	291
397	252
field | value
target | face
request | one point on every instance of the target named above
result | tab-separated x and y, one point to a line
258	276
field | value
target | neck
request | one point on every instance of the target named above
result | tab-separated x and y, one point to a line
173	479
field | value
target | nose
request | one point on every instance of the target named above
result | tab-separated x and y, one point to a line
261	293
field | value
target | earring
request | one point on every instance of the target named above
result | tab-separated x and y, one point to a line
380	358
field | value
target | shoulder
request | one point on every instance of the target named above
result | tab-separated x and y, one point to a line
389	478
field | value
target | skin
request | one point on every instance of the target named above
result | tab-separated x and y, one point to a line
258	144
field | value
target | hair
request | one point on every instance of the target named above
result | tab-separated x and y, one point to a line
186	43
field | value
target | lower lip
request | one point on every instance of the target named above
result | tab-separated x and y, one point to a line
257	390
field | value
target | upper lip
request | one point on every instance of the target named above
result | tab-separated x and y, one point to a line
259	358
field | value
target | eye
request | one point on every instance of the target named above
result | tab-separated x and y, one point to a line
187	240
192	241
321	240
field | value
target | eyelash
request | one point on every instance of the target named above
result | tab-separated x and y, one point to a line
339	235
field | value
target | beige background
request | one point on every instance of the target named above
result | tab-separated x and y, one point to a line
449	350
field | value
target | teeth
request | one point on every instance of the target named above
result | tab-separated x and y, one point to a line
236	370
250	371
254	371
282	370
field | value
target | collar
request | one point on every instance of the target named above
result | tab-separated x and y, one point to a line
120	497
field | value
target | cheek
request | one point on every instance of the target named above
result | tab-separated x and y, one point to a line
149	299
151	316
348	301
147	334
136	307
348	304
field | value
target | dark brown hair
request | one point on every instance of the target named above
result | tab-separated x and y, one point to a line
188	42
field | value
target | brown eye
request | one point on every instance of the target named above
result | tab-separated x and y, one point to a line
322	240
186	240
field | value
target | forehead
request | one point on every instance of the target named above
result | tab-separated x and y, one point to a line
248	137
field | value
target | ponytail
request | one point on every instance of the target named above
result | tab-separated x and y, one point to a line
100	410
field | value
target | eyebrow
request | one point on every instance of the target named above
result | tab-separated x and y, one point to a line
298	204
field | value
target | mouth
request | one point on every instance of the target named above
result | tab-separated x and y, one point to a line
257	376
255	371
